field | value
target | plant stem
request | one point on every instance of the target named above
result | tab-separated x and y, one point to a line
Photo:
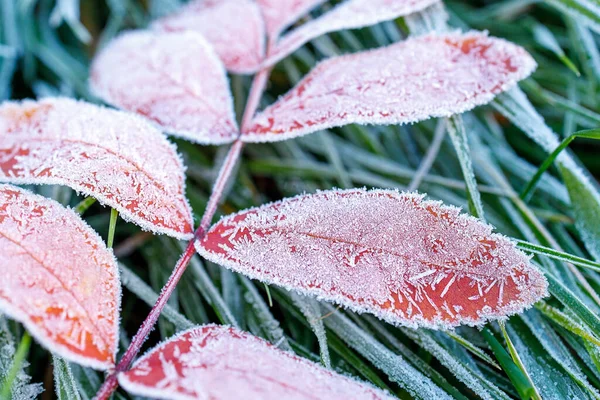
114	214
111	383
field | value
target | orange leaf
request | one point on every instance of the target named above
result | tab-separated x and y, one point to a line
408	261
58	278
351	14
113	156
423	77
173	79
234	28
222	363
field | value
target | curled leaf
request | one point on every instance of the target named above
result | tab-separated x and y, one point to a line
113	156
58	278
222	363
351	14
173	79
423	77
408	261
279	14
234	28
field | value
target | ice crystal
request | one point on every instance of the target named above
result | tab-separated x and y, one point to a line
116	157
429	76
174	79
279	14
351	14
235	29
222	363
58	278
409	261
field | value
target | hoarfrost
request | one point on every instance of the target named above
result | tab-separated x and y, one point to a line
234	28
279	14
423	77
173	79
113	156
58	278
351	14
408	261
221	363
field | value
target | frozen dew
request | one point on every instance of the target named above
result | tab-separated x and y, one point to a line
116	157
223	363
279	14
408	261
234	28
428	76
351	14
58	278
173	79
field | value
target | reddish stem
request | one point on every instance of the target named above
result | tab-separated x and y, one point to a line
111	383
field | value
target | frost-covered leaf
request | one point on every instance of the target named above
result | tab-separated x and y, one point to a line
113	156
428	76
221	362
174	79
65	385
351	14
235	29
408	261
58	278
279	14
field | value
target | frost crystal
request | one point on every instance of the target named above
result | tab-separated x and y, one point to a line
420	78
222	363
173	79
279	14
409	261
58	278
235	29
113	156
351	14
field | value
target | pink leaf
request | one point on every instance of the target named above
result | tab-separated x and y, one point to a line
279	14
428	76
235	28
113	156
351	14
409	261
58	278
222	363
174	79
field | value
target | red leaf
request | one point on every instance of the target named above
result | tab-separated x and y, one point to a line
279	14
174	79
428	76
351	14
235	28
222	363
58	278
408	261
113	156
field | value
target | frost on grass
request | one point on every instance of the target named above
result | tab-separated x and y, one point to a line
173	79
113	156
235	29
408	261
280	14
22	388
351	14
58	278
420	78
222	363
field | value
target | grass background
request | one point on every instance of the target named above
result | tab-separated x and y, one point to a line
551	351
